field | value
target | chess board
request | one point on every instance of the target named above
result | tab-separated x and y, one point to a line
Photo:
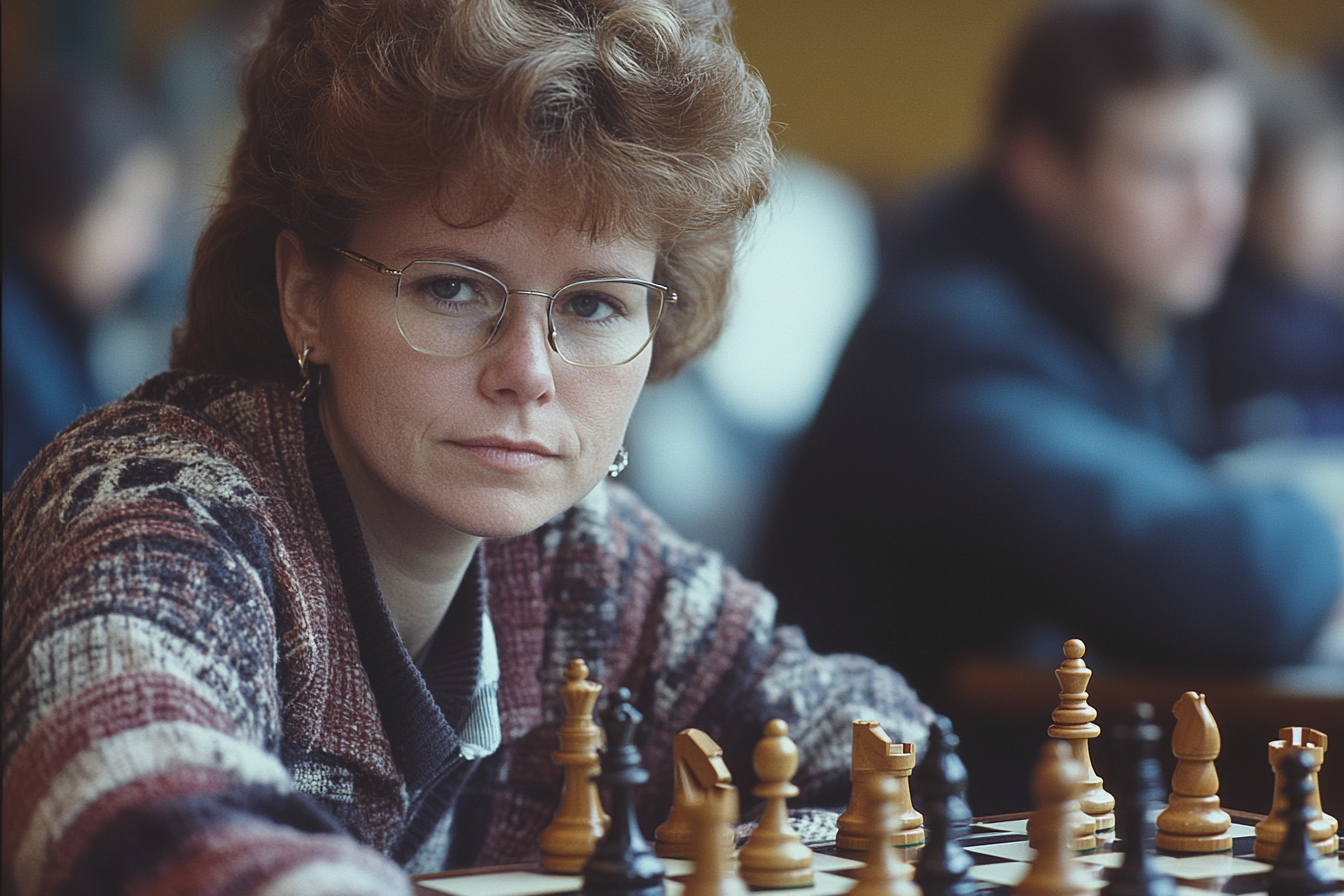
998	845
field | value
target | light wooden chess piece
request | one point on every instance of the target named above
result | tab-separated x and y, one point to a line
713	874
579	821
1322	829
874	759
698	770
1075	722
1056	781
883	874
1193	821
774	856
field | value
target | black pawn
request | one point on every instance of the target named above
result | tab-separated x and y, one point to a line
940	782
1138	788
1299	870
623	863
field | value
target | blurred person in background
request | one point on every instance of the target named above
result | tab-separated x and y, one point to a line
1009	452
87	192
1275	344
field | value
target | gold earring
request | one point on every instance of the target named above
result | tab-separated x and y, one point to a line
306	373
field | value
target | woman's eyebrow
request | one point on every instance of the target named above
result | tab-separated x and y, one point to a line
443	253
457	256
602	274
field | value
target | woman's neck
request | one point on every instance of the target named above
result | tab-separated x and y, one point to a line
418	575
419	561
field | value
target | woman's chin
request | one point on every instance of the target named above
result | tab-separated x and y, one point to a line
504	516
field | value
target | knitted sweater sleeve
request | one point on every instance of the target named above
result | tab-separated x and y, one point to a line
710	656
142	709
774	674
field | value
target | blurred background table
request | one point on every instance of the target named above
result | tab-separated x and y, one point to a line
1002	710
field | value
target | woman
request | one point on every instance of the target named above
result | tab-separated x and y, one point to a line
269	623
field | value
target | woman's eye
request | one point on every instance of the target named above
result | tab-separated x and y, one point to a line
591	306
451	289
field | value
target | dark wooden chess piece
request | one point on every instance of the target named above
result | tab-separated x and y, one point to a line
1138	789
940	782
623	863
1299	869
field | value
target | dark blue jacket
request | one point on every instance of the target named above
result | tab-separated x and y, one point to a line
983	467
1274	351
47	383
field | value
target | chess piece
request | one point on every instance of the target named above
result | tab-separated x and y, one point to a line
1138	789
622	863
874	758
713	874
1083	826
697	771
1075	722
1321	828
940	784
579	821
1299	870
1192	821
1056	782
774	857
883	874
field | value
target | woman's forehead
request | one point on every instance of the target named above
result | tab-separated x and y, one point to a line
464	204
533	228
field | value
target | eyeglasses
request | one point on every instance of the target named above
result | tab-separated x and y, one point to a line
452	310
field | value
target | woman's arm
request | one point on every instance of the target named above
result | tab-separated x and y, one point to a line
719	663
142	706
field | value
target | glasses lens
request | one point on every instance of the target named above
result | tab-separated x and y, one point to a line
599	323
447	309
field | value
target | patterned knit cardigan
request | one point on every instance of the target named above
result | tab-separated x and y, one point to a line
186	708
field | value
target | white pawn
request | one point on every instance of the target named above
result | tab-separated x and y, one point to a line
713	873
775	856
1055	783
884	874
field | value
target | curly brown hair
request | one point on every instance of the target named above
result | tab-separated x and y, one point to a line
641	111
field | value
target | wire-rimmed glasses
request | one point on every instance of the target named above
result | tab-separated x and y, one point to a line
453	310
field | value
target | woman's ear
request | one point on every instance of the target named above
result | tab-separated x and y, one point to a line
300	285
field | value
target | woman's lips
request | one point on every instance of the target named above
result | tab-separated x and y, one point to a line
507	455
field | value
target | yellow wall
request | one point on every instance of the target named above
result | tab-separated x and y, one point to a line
885	89
882	89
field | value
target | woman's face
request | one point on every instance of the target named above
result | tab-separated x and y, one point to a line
495	443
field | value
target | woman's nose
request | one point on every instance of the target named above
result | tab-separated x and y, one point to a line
518	362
